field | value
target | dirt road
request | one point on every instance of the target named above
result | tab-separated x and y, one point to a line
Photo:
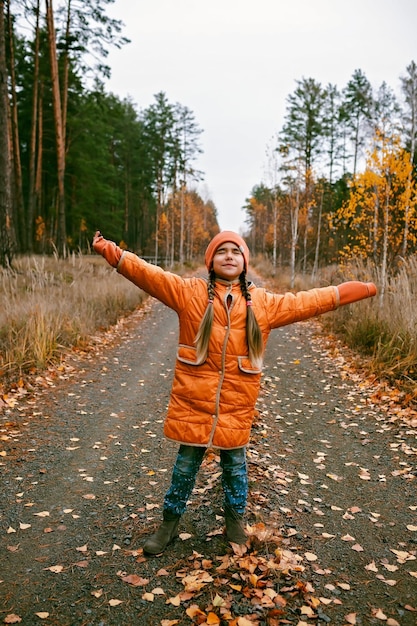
333	502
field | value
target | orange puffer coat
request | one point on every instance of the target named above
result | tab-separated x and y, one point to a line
213	404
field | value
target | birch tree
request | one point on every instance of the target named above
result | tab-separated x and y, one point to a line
409	88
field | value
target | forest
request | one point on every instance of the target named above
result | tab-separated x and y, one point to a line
340	181
74	156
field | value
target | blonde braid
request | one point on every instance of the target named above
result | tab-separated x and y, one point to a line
204	331
253	331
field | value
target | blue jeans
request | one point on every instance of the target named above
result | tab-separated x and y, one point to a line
184	474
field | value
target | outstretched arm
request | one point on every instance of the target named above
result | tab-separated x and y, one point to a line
290	307
169	288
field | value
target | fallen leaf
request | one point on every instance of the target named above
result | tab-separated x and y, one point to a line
357	547
344	586
149	597
57	569
351	618
13	548
307	610
334	477
403	556
135	580
387	581
162	572
175	601
158	591
83	548
184	536
218	600
390	568
12	619
114	602
194	610
371	567
42	614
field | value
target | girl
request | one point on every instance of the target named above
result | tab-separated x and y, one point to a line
224	324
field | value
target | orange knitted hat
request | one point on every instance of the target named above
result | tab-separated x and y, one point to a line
223	237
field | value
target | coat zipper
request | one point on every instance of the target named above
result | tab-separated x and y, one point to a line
223	365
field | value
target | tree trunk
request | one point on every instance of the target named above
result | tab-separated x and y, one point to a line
59	132
275	242
39	163
64	93
181	253
318	237
33	135
294	235
19	210
407	210
7	242
384	263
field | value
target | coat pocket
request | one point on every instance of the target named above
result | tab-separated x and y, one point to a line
187	355
246	366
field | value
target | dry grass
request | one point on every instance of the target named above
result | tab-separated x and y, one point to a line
50	305
384	331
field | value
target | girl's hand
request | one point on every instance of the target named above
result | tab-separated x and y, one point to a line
354	290
107	249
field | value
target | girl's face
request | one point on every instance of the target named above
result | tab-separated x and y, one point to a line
228	261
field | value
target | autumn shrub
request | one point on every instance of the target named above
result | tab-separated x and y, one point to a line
50	305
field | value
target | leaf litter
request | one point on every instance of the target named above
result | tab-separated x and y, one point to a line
290	571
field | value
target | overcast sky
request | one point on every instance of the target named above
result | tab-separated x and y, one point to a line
234	62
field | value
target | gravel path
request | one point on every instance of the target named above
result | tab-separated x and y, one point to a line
84	468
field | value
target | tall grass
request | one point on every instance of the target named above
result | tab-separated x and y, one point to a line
382	331
385	330
49	305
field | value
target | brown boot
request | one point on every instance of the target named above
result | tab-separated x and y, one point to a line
234	526
165	534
